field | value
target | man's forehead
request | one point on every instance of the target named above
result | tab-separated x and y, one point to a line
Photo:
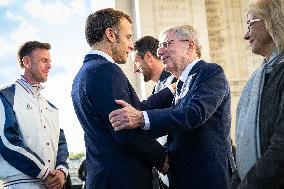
124	23
166	36
136	54
39	51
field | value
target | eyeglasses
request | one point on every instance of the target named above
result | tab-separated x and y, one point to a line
251	22
167	44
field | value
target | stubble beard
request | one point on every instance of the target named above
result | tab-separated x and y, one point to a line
117	54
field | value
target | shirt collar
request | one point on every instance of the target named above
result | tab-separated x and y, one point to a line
164	75
30	88
103	54
186	71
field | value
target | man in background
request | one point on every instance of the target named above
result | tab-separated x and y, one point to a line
151	66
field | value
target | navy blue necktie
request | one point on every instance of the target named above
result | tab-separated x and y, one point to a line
179	86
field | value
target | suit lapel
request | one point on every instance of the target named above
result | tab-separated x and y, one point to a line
191	78
196	67
194	72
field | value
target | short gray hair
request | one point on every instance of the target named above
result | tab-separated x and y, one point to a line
185	31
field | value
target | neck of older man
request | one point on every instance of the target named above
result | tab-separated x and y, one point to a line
184	65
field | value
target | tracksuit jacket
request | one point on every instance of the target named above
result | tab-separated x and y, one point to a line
31	141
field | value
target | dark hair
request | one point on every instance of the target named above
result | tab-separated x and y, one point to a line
99	21
28	47
145	44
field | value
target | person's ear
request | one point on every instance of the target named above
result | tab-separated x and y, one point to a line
26	61
148	56
191	46
110	35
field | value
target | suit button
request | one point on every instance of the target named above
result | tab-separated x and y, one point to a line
47	143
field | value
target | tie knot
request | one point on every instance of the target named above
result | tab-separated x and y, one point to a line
179	86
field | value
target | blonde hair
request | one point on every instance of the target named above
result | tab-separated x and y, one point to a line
185	32
272	12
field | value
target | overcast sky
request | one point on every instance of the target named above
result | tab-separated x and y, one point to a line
61	23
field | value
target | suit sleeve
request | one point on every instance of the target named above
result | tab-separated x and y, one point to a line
201	104
111	84
160	100
12	147
62	153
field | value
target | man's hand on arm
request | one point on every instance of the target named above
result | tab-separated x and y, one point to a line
126	118
55	180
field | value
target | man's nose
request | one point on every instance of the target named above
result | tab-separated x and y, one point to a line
48	65
135	68
131	46
247	36
160	52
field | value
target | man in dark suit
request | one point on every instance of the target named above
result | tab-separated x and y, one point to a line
198	123
114	159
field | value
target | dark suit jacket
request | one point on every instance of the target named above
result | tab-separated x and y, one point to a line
114	159
198	127
164	78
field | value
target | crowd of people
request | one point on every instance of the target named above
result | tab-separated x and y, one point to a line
178	138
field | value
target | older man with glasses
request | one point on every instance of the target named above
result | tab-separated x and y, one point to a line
199	120
260	123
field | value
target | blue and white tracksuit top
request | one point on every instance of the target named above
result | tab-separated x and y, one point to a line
31	142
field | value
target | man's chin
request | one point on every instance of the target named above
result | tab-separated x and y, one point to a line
167	69
120	61
43	80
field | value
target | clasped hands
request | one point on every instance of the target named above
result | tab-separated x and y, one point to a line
54	180
130	118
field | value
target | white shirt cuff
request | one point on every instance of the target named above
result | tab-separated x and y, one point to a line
147	121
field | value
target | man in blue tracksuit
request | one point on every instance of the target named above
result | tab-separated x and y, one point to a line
33	149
